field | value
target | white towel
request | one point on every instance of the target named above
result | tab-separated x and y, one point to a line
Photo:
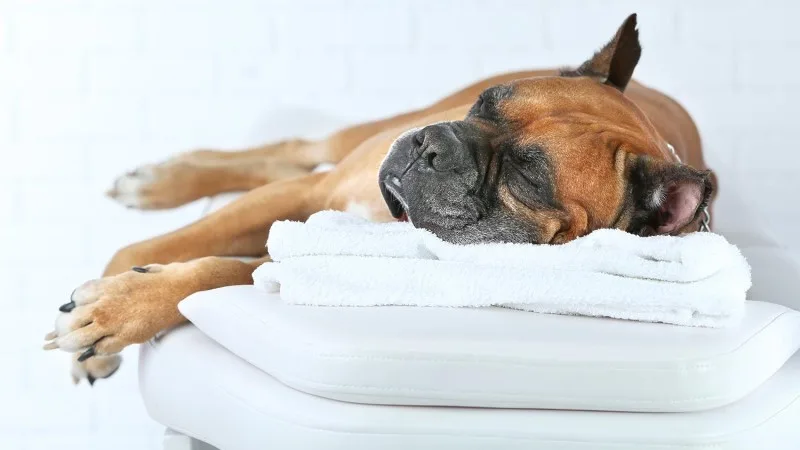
337	259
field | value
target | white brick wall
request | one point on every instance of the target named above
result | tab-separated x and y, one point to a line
90	88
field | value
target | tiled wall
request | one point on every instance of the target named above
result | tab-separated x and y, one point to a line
89	89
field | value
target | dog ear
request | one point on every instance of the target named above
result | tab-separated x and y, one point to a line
667	198
613	64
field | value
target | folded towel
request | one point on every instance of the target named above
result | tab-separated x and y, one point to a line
337	259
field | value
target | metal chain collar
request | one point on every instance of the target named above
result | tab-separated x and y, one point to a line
705	223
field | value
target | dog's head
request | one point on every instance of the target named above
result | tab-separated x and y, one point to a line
546	160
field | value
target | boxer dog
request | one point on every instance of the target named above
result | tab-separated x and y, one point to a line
539	157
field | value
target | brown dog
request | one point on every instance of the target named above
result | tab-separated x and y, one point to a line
541	157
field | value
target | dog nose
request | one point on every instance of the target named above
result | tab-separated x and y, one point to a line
419	138
442	150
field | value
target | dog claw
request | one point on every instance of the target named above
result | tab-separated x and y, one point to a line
86	355
95	369
50	346
67	307
51	335
139	269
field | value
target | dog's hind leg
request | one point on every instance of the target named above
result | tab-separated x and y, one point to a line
193	175
201	173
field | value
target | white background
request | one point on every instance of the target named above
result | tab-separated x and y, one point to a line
90	89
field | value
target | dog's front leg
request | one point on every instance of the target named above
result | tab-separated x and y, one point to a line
239	229
129	306
105	315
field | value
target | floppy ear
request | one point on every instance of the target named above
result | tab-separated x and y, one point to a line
613	64
668	198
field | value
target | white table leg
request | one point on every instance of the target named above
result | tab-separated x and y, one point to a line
177	441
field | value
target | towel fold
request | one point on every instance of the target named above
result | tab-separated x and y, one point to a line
337	259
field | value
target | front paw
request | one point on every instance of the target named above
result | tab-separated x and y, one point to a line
95	368
106	315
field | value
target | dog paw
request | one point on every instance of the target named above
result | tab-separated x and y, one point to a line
104	316
158	186
131	189
93	369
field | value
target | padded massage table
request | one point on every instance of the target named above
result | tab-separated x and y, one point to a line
417	378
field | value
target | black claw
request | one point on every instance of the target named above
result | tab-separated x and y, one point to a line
139	269
93	379
86	355
67	307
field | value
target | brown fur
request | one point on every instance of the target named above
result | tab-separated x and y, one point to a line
583	139
586	129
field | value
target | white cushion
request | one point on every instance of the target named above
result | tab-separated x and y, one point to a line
193	385
494	357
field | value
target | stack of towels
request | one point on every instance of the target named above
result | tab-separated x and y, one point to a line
338	259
